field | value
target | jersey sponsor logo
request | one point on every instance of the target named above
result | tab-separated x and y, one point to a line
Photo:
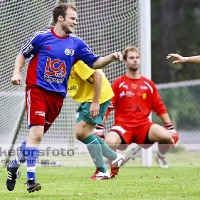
136	108
127	94
144	87
69	52
40	113
144	95
53	80
71	75
73	87
122	94
55	71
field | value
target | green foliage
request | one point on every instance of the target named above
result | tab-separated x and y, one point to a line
175	29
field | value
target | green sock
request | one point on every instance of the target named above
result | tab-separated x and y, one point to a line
106	150
95	151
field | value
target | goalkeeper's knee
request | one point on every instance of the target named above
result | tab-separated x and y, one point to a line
99	130
175	140
174	134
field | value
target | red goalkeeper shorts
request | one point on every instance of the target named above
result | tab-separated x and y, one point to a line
42	107
136	134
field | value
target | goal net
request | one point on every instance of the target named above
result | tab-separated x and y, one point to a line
19	19
182	101
106	26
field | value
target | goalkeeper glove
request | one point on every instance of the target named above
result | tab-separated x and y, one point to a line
99	130
175	137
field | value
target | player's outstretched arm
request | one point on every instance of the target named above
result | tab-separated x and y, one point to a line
104	61
181	59
19	63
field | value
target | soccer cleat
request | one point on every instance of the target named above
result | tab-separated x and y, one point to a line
32	186
161	162
100	175
115	165
11	179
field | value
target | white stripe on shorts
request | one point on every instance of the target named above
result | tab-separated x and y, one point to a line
28	101
119	128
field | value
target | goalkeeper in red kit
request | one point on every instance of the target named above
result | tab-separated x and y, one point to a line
134	98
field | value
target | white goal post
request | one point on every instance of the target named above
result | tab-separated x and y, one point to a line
145	50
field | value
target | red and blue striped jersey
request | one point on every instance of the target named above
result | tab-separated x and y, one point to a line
52	58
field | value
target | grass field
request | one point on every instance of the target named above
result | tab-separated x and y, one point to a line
180	181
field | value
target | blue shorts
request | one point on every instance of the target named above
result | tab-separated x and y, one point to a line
83	113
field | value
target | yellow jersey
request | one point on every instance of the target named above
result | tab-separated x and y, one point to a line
80	84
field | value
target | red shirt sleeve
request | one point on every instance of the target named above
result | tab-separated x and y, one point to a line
158	106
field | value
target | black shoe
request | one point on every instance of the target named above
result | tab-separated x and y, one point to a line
32	186
11	179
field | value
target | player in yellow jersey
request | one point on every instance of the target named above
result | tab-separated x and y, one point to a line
92	90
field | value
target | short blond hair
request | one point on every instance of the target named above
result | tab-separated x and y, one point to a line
127	49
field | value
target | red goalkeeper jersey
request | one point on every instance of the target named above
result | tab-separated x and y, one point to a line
134	100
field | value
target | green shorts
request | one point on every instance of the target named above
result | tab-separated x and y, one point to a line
83	113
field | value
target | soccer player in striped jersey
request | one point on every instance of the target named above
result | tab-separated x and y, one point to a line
53	52
134	98
93	91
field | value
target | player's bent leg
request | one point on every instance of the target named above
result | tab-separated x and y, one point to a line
95	151
163	148
31	153
159	134
115	160
84	134
99	131
113	140
116	164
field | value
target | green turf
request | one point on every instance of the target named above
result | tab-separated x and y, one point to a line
180	181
